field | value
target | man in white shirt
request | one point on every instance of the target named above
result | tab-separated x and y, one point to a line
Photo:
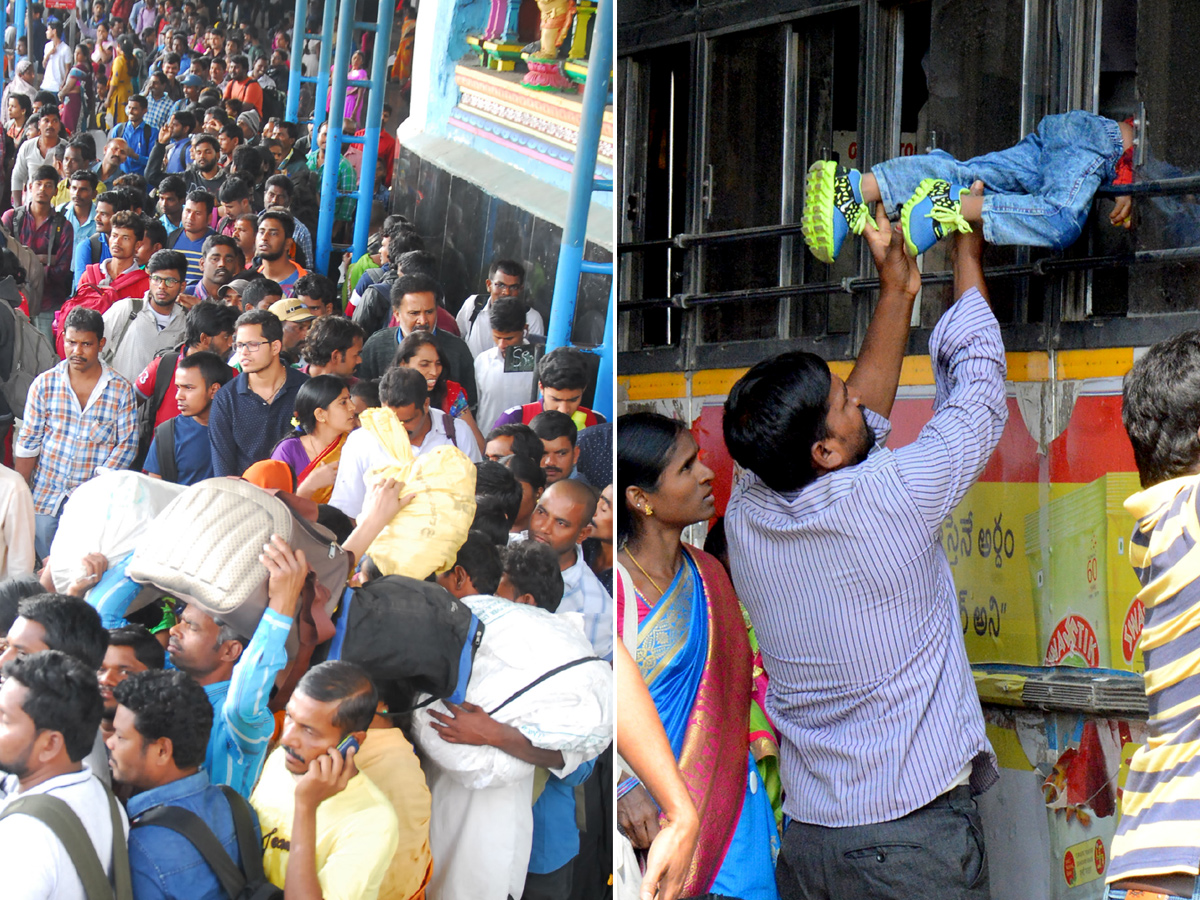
499	389
404	392
506	278
16	524
57	61
50	711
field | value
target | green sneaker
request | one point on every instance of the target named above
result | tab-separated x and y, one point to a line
932	212
833	208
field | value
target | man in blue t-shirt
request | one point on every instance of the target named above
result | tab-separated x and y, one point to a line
189	239
184	439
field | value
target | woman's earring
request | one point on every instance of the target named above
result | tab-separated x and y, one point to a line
649	510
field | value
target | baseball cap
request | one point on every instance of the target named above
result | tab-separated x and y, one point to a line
290	309
191	79
238	286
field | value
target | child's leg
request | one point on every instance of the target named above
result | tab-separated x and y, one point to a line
894	181
972	206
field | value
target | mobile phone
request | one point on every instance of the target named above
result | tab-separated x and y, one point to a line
347	742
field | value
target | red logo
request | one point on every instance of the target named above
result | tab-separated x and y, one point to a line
1132	630
1073	642
1100	856
1069	868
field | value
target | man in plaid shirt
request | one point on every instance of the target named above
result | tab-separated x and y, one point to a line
79	415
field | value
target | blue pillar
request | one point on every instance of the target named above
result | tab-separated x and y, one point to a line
333	136
12	72
370	157
583	174
20	14
322	99
295	67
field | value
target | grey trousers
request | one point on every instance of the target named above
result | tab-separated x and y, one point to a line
936	851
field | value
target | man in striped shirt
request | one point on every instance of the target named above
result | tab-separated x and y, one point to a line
1157	847
835	552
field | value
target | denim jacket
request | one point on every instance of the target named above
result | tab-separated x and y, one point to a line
163	862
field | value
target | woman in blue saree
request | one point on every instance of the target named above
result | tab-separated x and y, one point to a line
693	653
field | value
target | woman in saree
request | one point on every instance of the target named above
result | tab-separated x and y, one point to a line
325	414
356	97
694	654
76	90
120	86
419	351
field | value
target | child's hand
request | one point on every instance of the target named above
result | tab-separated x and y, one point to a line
1122	212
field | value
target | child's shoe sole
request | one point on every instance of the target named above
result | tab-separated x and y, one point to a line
833	208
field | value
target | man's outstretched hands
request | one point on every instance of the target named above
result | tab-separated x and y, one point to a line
970	244
897	270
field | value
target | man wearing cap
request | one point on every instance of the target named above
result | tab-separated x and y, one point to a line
231	294
275	229
191	84
25	83
297	319
57	59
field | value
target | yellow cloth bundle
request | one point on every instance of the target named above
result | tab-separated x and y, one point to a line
426	535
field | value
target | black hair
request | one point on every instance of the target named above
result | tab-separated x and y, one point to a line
480	559
509	267
526	470
203	137
217	240
292	128
319	392
1160	409
118	200
140	99
85	175
248	160
146	648
402	387
345	682
231	130
415	262
508	314
367	390
206	318
563	369
239	58
645	442
220	115
533	569
492	519
70	625
13	590
213	369
336	521
156	231
133	181
168	259
524	441
495	480
169	704
83	319
408	348
413	284
44	173
202	196
330	334
280	215
24	102
774	415
272	328
317	286
234	188
186	118
283	183
551	425
402	239
63	695
173	184
130	221
129	198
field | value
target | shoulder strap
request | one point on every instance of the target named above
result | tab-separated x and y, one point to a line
56	815
481	300
122	875
96	247
191	826
18	217
135	307
570	665
164	447
249	849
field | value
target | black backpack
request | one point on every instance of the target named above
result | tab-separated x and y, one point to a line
148	411
274	103
247	883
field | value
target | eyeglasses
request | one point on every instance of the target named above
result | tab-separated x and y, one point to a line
161	279
252	346
502	288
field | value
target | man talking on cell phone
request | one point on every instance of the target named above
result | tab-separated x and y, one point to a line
327	830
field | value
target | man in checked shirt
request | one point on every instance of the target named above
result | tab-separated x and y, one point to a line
835	552
79	415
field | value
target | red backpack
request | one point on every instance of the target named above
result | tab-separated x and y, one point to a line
90	295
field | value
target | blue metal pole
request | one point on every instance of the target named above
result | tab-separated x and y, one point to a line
19	14
370	157
321	106
295	67
587	143
12	72
333	135
602	402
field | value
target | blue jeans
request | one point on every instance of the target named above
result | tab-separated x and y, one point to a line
1037	193
43	534
1112	893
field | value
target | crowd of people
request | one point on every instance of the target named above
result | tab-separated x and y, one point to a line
158	233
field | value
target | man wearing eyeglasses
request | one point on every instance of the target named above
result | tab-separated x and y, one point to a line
252	412
506	278
139	327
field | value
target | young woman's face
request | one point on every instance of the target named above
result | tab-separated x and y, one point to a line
80	56
341	415
427	361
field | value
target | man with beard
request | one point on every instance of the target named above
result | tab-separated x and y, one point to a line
241	87
237	674
834	545
112	163
131	649
275	229
169	154
219	264
143	326
205	173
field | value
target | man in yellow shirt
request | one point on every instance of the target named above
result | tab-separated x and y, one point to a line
328	831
